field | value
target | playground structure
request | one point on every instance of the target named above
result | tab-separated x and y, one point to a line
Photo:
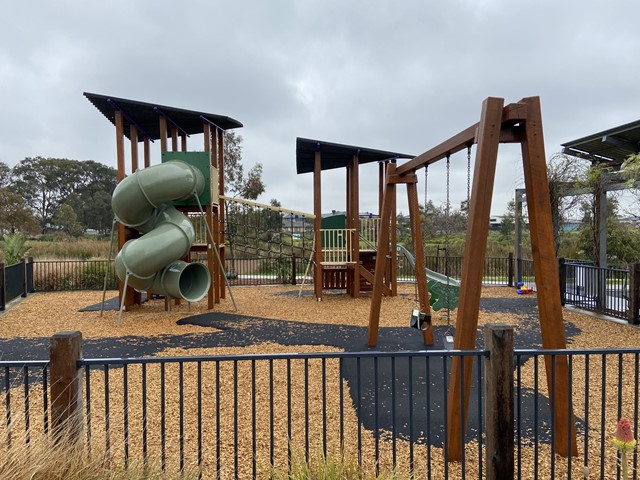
146	122
519	122
345	246
343	258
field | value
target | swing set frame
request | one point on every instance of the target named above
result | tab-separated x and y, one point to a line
519	122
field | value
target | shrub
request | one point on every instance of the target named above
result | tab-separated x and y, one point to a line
13	247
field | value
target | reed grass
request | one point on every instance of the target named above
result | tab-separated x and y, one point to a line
69	249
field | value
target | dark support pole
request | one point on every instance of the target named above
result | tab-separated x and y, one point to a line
3	288
634	293
65	350
24	277
511	270
30	288
499	411
562	272
294	280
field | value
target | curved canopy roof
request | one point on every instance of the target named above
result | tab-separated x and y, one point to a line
336	155
145	116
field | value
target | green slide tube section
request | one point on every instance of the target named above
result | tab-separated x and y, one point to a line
153	260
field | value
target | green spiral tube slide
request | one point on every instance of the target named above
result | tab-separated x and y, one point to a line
152	261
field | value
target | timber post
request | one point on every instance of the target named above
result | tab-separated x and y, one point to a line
65	349
499	405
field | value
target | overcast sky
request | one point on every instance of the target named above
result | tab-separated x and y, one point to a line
392	75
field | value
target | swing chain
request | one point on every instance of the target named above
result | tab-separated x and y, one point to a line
468	176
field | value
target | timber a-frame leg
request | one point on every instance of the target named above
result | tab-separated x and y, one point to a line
388	202
490	129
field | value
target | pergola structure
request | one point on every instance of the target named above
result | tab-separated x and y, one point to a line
142	122
610	147
317	156
519	122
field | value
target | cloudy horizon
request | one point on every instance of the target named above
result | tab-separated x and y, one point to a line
398	76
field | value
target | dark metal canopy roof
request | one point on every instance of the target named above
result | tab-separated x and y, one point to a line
613	145
145	116
336	155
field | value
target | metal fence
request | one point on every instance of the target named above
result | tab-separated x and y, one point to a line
610	291
246	416
15	280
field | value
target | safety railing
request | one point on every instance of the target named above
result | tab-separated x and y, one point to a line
369	227
337	245
248	416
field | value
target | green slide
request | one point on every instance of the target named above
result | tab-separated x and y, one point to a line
152	261
444	291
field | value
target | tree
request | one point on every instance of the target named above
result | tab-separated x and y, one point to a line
507	223
66	219
5	175
236	183
45	183
564	173
15	215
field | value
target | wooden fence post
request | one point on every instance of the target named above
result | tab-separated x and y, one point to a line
634	294
499	412
65	349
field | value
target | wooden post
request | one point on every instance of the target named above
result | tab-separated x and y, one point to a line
355	212
219	139
473	268
499	411
381	257
418	248
546	272
393	272
133	137
174	139
634	293
163	134
147	152
65	349
317	225
124	233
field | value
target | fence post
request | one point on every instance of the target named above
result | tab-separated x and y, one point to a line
562	271
3	288
30	275
634	294
65	349
24	276
511	269
294	280
499	412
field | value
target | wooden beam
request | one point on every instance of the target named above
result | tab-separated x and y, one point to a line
472	268
381	258
183	142
163	134
448	147
369	277
133	137
174	138
546	273
380	186
147	152
418	248
317	225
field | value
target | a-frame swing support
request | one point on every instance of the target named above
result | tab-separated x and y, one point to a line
519	122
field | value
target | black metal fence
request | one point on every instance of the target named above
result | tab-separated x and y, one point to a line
246	416
609	291
15	280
